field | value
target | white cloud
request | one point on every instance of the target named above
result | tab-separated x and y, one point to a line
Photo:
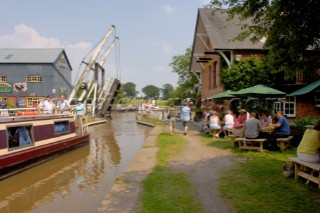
28	37
168	9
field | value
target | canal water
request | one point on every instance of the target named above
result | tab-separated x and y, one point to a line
78	180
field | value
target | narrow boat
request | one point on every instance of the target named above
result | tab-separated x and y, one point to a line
26	141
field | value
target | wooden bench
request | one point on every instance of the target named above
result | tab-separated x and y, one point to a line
309	171
233	142
284	143
250	144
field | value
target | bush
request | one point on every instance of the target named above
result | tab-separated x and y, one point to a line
306	121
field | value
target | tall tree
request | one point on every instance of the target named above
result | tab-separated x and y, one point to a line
151	91
290	28
181	65
248	72
166	90
129	89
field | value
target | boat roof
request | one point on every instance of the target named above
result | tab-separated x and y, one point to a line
12	119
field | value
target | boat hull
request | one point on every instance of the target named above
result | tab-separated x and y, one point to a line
16	162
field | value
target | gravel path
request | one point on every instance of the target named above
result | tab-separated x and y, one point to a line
203	164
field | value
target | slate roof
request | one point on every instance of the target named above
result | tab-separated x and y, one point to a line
30	55
221	31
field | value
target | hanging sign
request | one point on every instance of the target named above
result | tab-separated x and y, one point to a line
20	87
6	87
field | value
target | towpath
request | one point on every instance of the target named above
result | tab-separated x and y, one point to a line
203	164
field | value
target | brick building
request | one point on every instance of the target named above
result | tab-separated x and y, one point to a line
214	48
28	75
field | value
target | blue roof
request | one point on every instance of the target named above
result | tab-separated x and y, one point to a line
30	55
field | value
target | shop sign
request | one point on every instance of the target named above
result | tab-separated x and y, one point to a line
6	87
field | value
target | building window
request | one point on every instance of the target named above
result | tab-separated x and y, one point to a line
34	78
3	78
277	106
288	107
32	101
62	61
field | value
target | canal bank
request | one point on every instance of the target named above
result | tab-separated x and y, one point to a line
202	164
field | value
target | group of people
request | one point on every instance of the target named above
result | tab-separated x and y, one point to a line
47	106
249	125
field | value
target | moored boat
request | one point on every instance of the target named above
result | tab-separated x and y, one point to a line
29	140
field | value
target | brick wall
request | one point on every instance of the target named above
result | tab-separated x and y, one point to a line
305	107
207	87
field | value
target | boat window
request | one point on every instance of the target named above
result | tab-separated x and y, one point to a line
19	136
61	127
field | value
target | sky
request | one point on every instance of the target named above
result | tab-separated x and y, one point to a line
150	33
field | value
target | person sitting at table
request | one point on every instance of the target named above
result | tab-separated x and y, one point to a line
265	119
237	129
214	123
281	130
252	127
308	149
228	123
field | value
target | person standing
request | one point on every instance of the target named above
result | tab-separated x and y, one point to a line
185	117
172	112
63	105
47	106
79	108
4	106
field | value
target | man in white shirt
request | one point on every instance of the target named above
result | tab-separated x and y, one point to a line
47	106
63	105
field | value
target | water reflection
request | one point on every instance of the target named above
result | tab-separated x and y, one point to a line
77	180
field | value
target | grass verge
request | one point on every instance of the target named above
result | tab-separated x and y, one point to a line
166	190
255	183
151	120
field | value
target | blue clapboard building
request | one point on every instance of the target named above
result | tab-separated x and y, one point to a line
28	75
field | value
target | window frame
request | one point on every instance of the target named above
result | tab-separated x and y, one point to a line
34	79
31	100
15	127
283	106
67	122
3	79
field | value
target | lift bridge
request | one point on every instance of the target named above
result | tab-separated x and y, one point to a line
104	93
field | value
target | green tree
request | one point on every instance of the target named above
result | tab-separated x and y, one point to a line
129	89
186	80
290	28
248	72
166	90
151	91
